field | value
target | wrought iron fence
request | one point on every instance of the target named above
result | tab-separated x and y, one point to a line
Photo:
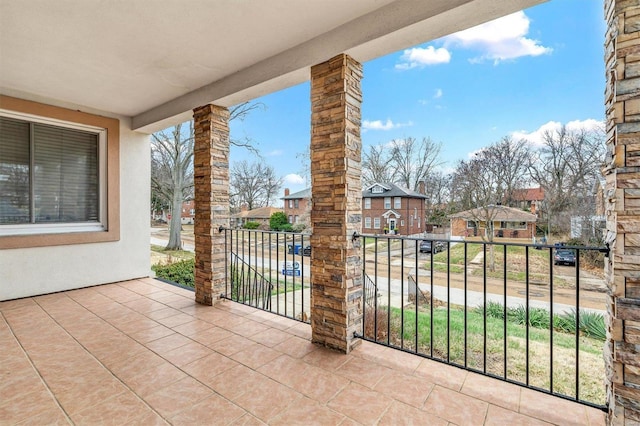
269	270
527	314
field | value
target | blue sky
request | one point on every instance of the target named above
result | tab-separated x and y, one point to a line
519	76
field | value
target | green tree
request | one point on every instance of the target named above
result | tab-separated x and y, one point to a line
278	221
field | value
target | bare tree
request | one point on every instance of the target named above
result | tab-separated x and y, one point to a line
172	166
566	167
413	161
375	166
172	173
438	192
254	184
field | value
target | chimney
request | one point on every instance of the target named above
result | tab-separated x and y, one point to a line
286	192
421	187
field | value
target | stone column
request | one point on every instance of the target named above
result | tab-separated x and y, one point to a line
211	190
336	196
622	198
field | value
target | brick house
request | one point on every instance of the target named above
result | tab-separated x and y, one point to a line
508	222
529	198
260	215
392	208
297	206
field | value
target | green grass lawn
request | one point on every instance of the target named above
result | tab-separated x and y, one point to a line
457	343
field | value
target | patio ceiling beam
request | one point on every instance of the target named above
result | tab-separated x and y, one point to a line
398	25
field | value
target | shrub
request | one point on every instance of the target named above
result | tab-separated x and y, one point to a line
251	225
278	220
179	272
299	227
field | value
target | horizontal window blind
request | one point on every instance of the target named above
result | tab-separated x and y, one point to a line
63	172
14	171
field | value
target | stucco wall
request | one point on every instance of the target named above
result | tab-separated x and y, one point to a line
31	271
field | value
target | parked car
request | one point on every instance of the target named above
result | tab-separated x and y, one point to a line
564	257
427	246
298	249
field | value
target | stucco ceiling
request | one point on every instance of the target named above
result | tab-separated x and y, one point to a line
155	60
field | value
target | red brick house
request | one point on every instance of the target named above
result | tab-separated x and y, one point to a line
392	208
529	198
507	222
260	215
296	206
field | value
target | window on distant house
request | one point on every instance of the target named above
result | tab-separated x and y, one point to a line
367	203
296	219
376	223
410	220
367	222
192	212
471	224
402	222
290	218
290	204
397	202
51	175
387	202
377	189
296	204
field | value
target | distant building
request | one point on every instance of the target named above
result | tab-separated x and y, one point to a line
507	222
387	207
296	206
531	199
260	215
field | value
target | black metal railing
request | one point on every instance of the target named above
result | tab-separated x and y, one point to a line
269	271
527	314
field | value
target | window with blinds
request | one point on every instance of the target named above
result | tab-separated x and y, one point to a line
48	173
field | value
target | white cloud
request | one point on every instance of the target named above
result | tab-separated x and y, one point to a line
438	94
499	40
380	125
421	57
275	153
536	137
294	179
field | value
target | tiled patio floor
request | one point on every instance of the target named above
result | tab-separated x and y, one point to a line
142	352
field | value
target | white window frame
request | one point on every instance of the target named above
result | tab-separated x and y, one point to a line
367	222
397	202
367	203
376	223
55	228
387	202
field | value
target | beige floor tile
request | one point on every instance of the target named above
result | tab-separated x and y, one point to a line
441	374
177	397
271	337
360	404
234	382
27	406
232	345
455	407
256	356
266	398
410	390
362	371
319	384
506	395
122	409
168	343
403	414
175	320
296	347
326	358
552	409
499	416
307	412
186	354
205	369
212	410
193	327
50	417
211	336
150	334
155	378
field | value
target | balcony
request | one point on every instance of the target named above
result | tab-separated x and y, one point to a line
142	352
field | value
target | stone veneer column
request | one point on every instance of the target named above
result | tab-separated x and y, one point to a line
622	198
336	194
211	190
